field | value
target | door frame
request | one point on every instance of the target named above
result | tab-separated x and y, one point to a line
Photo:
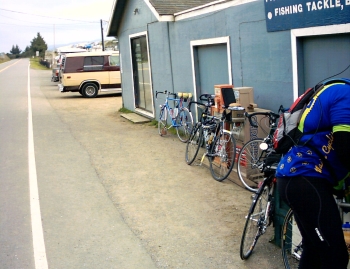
141	111
205	42
311	31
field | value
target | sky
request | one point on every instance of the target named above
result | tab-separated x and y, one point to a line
59	22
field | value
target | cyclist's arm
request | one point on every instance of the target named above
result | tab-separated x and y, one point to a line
341	145
339	112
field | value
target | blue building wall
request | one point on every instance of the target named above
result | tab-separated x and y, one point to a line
259	59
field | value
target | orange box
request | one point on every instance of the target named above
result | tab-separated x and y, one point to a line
217	89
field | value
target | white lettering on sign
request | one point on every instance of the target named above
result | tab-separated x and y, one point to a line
280	11
347	2
325	4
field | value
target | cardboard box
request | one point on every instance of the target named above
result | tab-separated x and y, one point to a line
246	95
238	113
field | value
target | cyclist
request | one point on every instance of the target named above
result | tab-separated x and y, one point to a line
308	172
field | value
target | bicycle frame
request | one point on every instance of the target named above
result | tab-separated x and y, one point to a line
263	223
173	111
251	156
260	214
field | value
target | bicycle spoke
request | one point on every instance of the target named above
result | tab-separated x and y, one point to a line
256	223
222	155
291	242
162	121
184	124
193	144
249	164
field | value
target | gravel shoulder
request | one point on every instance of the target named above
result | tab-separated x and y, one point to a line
184	218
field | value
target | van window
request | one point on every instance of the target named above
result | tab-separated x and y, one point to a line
93	63
114	60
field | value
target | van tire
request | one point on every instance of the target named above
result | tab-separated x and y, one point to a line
90	90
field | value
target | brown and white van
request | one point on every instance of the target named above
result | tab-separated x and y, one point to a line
90	72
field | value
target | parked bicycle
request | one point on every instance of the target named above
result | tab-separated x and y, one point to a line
219	143
261	211
180	116
250	161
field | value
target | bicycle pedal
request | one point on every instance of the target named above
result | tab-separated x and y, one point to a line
164	131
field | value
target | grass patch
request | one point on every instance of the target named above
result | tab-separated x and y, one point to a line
153	123
125	110
35	64
4	60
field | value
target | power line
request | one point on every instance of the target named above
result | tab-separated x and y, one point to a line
48	26
44	23
13	11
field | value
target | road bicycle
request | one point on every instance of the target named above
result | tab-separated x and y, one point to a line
250	161
219	143
261	211
180	116
291	239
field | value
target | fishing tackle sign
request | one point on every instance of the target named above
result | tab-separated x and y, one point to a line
292	14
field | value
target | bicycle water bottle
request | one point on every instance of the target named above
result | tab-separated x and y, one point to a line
346	231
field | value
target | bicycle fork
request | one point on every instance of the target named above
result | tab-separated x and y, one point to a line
264	217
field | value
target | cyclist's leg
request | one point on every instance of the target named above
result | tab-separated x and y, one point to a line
318	219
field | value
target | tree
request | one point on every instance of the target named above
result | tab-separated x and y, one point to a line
27	52
15	50
38	44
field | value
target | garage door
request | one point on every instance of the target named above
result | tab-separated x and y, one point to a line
212	67
321	57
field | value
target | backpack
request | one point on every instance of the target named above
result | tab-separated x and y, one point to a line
287	133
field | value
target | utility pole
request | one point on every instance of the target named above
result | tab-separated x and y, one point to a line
103	43
54	46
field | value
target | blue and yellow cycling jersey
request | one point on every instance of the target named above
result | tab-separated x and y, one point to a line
326	113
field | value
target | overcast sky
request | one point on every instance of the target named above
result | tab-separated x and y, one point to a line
59	22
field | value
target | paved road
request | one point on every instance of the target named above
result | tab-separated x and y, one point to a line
81	226
112	194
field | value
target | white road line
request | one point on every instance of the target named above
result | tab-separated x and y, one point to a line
9	65
37	227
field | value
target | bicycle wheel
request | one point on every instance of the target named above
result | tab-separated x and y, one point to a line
249	163
162	127
256	222
184	124
291	242
222	155
194	143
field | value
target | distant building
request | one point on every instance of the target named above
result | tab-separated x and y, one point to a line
277	47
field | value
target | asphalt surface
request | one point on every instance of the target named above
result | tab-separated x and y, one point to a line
115	194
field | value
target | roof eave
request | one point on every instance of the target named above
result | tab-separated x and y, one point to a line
115	18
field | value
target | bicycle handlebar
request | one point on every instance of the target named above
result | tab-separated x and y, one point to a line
203	97
206	97
194	102
167	93
272	117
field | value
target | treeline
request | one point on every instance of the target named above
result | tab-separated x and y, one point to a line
38	44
